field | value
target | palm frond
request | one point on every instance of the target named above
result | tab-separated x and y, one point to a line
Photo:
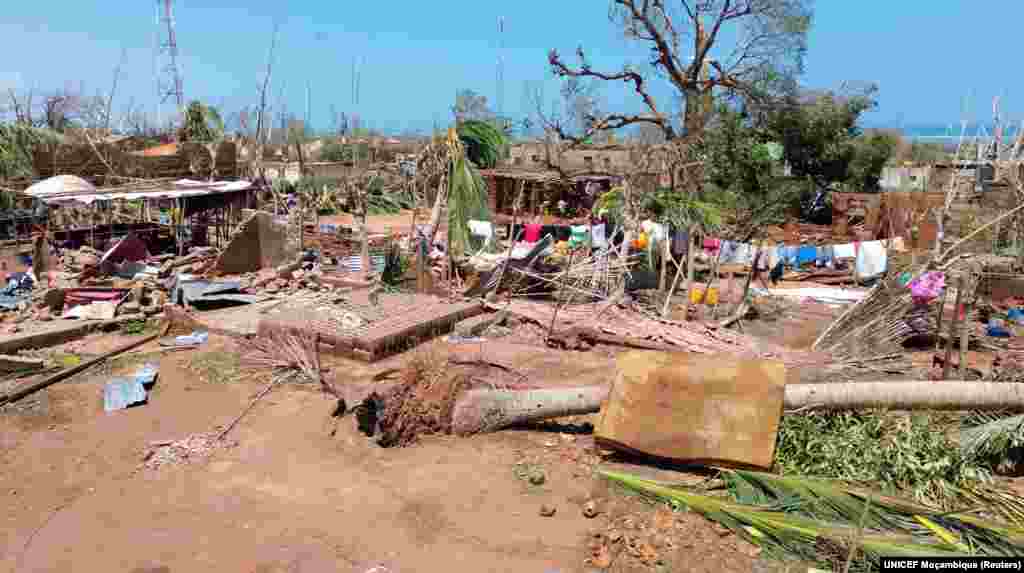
484	143
816	521
467	200
990	438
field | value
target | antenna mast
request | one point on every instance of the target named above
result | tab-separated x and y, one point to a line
170	84
500	73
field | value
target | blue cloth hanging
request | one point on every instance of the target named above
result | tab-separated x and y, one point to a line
824	256
806	254
791	256
728	252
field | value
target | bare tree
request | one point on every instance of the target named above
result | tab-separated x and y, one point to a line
21	106
471	105
262	121
61	108
648	134
685	38
113	90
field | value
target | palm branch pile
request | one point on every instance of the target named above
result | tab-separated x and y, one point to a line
597	276
993	439
894	452
835	524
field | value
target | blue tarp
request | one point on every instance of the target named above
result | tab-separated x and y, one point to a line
121	393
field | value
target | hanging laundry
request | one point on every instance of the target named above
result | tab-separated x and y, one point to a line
532	233
825	255
597	236
743	254
481	229
845	251
806	254
790	255
579	235
927	287
680	243
871	260
655	231
641	242
728	253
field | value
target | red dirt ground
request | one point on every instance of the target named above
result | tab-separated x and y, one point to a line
289	498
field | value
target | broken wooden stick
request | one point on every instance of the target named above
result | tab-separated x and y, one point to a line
20	393
264	392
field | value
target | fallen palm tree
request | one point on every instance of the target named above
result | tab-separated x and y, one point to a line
437	394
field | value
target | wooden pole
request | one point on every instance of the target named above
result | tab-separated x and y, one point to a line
965	332
953	327
938	318
690	253
665	253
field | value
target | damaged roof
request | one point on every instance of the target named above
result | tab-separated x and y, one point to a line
71	189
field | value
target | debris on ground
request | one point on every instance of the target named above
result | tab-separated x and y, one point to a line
197	338
192	449
124	392
829	523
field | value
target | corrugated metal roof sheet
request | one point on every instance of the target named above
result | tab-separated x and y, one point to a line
71	189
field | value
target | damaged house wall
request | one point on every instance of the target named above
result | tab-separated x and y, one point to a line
259	243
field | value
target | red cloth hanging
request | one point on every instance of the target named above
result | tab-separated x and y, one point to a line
532	233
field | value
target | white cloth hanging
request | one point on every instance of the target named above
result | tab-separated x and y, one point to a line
597	236
871	260
847	251
655	231
482	229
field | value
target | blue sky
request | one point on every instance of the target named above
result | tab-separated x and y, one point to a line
926	56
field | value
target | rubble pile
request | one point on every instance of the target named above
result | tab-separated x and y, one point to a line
191	449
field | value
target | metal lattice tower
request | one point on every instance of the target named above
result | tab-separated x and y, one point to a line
500	73
169	77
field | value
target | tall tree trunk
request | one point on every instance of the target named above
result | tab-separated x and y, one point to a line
489	410
914	395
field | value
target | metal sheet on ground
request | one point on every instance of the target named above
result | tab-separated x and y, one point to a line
692	408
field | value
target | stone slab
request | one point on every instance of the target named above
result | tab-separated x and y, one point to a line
694	409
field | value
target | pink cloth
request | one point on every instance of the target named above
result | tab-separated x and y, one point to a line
927	286
532	233
711	244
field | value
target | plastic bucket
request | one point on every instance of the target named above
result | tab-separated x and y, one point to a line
698	293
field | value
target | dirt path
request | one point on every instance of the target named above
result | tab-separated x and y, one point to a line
288	498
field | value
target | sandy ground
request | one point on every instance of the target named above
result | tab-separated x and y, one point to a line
288	497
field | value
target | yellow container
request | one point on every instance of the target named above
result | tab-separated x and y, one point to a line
697	293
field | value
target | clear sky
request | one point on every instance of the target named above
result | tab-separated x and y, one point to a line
927	56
